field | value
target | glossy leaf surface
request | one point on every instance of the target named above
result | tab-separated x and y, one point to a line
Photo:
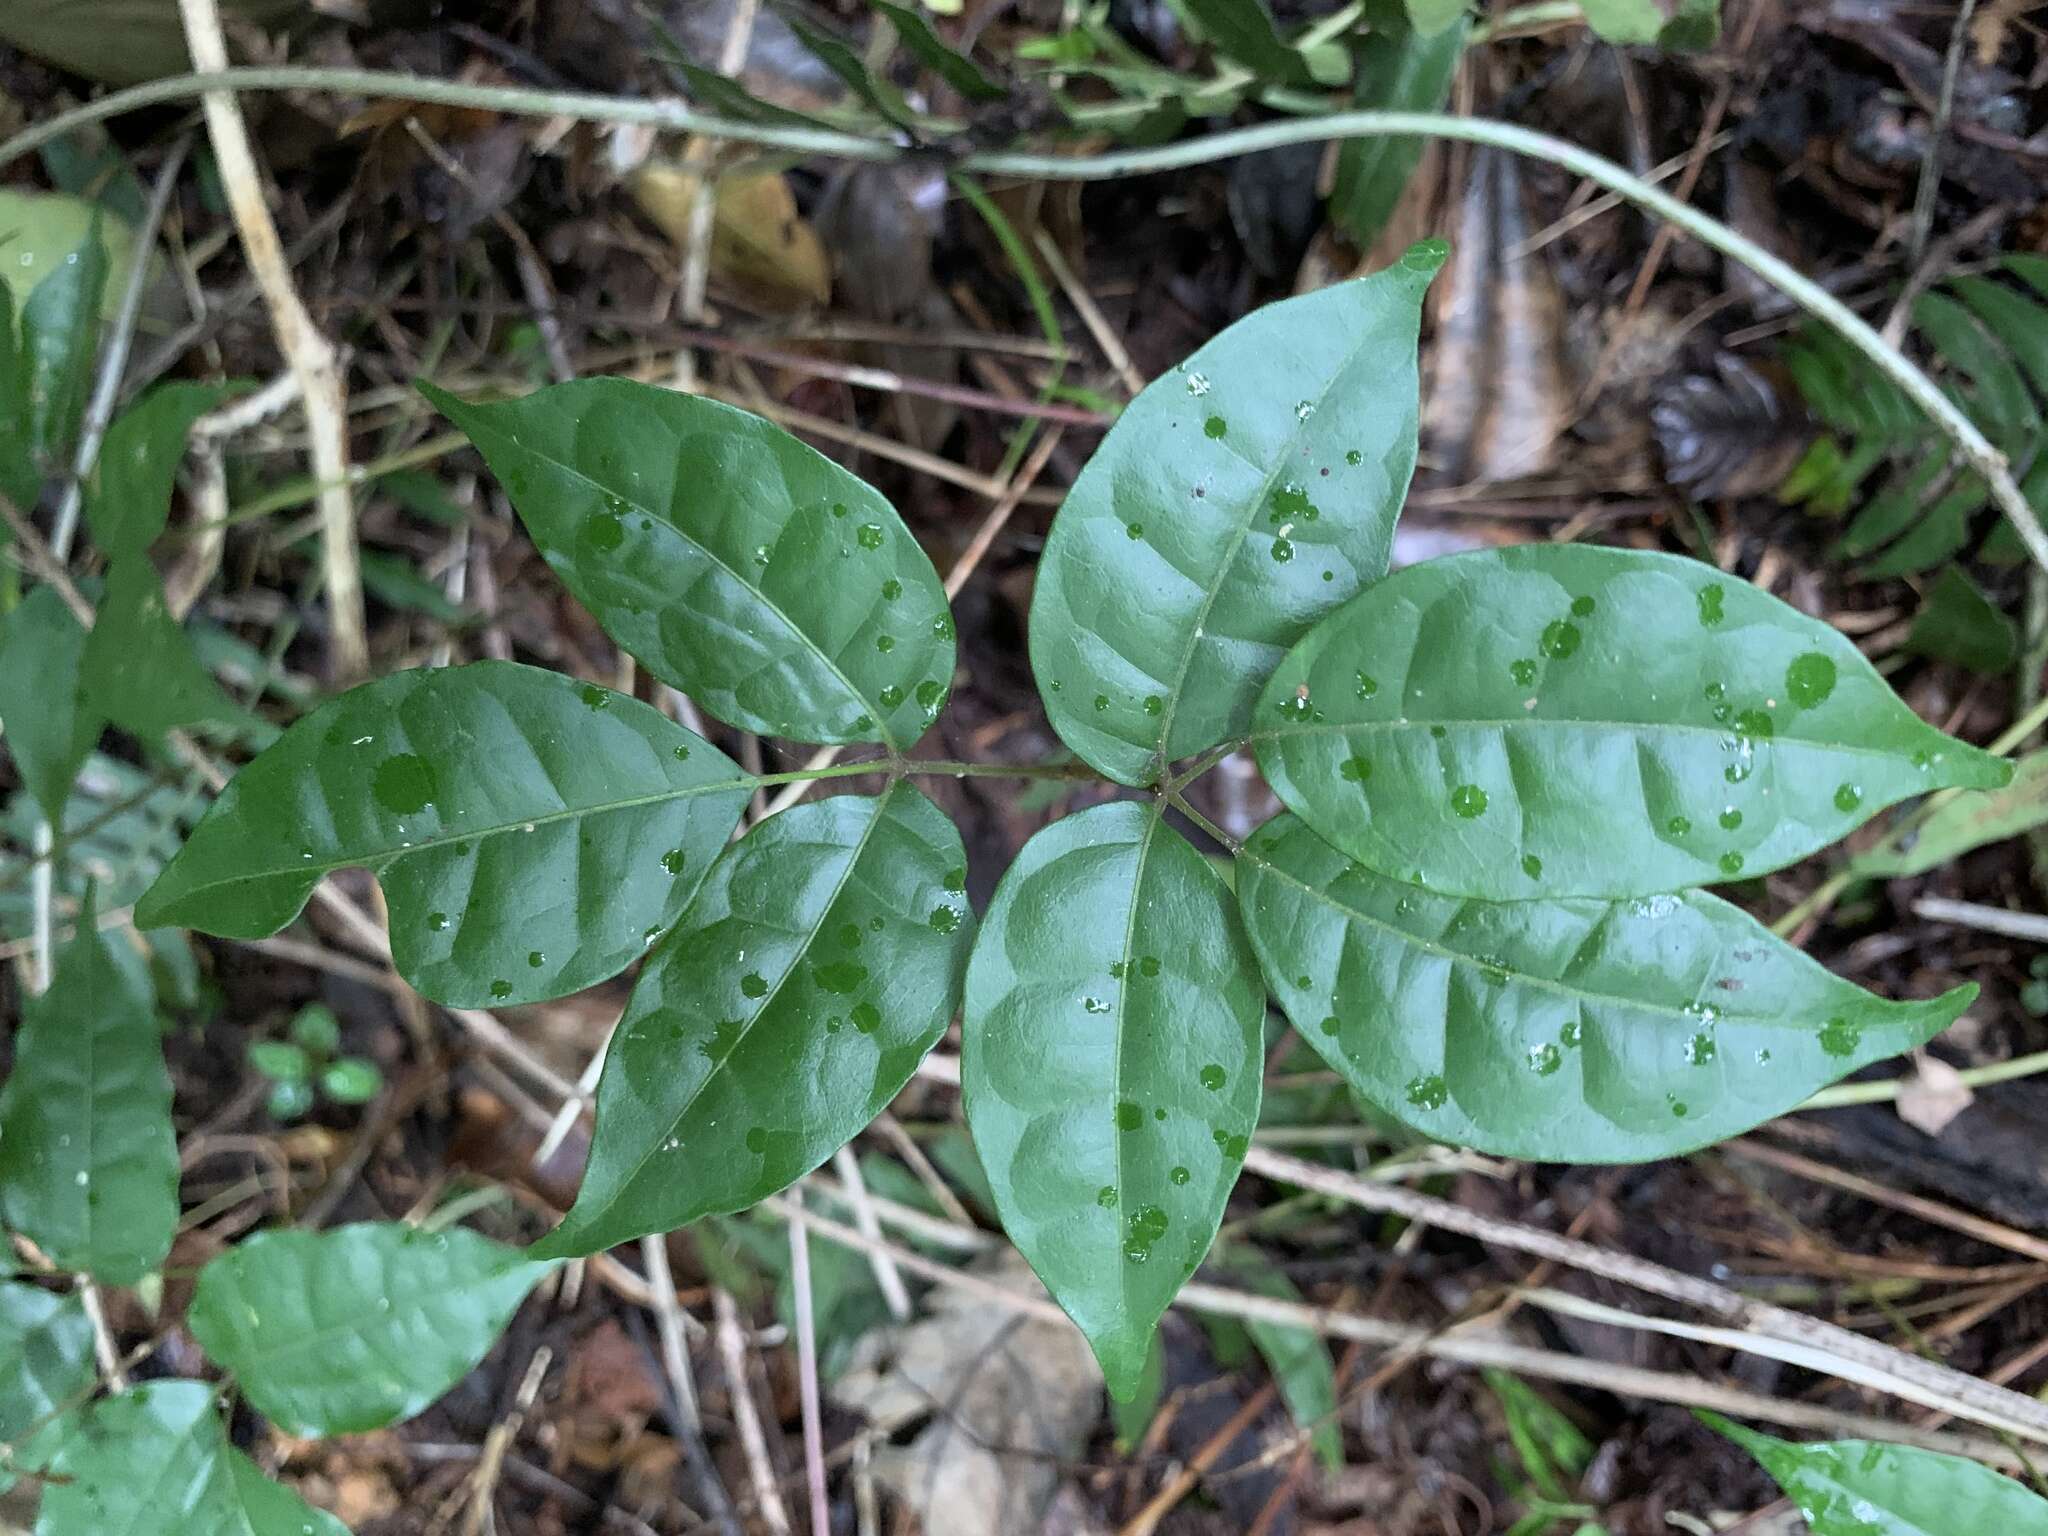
1585	1031
780	592
1873	1488
1236	501
130	499
44	723
533	834
156	1460
335	1332
1556	720
818	962
1110	1066
88	1161
45	1363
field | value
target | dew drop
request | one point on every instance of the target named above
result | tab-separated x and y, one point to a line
1106	1197
1810	679
1848	797
682	754
672	861
1430	1092
1159	1114
867	1018
753	984
839	509
929	694
1283	551
1368	685
1699	1050
436	921
1303	409
1571	1034
891	590
1753	722
1355	770
1731	818
1545	1059
593	696
1117	969
1523	672
1583	606
1710	605
956	879
1678	826
1532	866
1094	1005
501	988
1154	704
885	643
1198	384
1560	638
1331	1025
944	919
1215	426
1128	1116
403	783
757	1140
1838	1037
890	696
869	536
1213	1077
536	959
1134	531
1354	458
1468	800
1148	965
1731	863
1179	1176
604	531
840	977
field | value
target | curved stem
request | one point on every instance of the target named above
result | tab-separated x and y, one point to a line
1808	295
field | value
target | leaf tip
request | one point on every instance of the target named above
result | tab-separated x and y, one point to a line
1425	258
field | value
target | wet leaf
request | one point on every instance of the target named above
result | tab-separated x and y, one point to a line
46	1341
1554	720
47	727
156	1458
1969	821
780	592
130	498
817	964
1110	1067
1584	1031
89	1164
1237	500
1401	68
533	834
357	1327
1873	1488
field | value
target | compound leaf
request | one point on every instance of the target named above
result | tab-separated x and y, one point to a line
88	1161
156	1459
1585	1031
1236	501
46	725
780	592
357	1327
1873	1488
818	962
533	834
1570	721
130	499
1110	1067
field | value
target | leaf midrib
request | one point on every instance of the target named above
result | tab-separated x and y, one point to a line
1228	563
872	707
1154	821
1458	957
1390	727
377	858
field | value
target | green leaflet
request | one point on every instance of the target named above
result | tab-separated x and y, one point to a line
780	592
818	962
139	666
130	498
19	476
1968	821
1244	30
1873	1488
533	834
47	726
1110	1066
1402	67
1686	25
45	1364
332	1333
1236	501
1298	1359
1571	721
60	332
88	1160
1581	1031
1958	623
155	1461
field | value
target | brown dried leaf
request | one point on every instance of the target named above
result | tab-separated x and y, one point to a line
760	244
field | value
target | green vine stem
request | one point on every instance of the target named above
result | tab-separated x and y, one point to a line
1802	291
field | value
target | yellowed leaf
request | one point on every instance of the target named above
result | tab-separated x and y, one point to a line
760	244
